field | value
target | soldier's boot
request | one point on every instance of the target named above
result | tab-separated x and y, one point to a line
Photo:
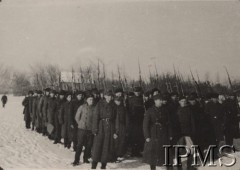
152	167
94	165
103	165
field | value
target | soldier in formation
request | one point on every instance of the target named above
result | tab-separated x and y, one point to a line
113	125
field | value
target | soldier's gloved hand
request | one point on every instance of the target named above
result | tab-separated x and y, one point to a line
171	138
72	126
148	140
115	136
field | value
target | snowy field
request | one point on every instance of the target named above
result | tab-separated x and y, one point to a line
24	149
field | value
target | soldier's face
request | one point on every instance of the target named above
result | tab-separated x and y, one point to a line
183	102
174	97
214	100
146	98
158	103
108	98
221	98
164	102
155	93
79	96
47	93
69	98
117	102
119	94
192	102
61	96
90	101
137	93
52	94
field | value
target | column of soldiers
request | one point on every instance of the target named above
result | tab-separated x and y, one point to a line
112	125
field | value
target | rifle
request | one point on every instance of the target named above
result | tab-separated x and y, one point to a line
197	88
180	78
104	77
232	89
98	74
82	79
176	79
119	77
229	79
157	77
140	76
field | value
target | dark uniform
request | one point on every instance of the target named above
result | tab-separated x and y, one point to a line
27	117
231	121
157	127
136	115
4	100
51	113
34	111
122	126
215	113
67	121
57	120
43	112
104	128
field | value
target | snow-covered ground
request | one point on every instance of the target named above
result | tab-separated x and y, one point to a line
24	149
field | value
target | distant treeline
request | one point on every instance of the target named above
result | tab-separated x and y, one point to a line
95	76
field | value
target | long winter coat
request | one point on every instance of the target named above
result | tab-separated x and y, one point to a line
104	128
186	122
157	127
67	120
26	112
34	110
43	108
39	112
215	113
51	110
136	116
122	124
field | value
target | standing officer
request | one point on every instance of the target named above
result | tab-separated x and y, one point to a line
136	115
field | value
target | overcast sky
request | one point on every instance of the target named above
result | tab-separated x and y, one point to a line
203	35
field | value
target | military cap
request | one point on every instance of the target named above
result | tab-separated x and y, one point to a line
130	94
62	92
174	94
208	96
68	93
155	89
166	96
39	92
89	95
95	91
118	90
137	89
159	97
147	93
53	91
30	92
47	89
101	91
108	93
192	96
214	95
118	98
182	97
79	92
